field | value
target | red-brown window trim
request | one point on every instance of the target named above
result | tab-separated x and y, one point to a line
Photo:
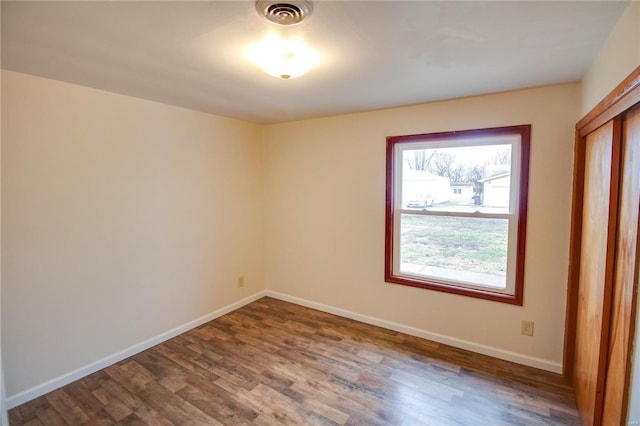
524	131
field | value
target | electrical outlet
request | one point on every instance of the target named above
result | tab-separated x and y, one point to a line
240	281
527	328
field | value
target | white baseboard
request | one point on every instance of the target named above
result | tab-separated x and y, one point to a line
41	389
540	363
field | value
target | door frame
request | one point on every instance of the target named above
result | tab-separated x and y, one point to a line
625	96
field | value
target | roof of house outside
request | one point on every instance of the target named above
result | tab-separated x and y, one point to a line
410	174
494	177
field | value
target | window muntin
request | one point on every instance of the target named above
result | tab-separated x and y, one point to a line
439	240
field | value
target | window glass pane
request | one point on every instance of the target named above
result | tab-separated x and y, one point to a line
455	249
457	179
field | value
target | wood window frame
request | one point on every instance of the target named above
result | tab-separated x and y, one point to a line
524	132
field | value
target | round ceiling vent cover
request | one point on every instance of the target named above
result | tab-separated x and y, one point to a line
284	12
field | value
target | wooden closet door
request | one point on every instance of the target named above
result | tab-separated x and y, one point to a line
626	274
596	267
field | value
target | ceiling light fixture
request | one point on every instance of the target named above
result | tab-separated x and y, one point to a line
281	58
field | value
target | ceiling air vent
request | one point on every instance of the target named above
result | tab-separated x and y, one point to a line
284	13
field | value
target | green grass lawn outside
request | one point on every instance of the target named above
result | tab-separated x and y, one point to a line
465	244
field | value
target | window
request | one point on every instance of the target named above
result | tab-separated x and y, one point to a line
473	244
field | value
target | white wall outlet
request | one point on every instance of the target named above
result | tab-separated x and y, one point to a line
240	281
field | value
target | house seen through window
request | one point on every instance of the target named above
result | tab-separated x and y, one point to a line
456	211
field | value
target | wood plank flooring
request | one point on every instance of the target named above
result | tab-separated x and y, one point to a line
276	363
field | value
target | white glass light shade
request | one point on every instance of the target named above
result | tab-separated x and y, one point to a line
282	59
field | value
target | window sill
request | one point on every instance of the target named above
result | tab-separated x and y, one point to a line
453	289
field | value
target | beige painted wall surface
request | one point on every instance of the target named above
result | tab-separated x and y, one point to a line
4	419
324	217
617	58
122	219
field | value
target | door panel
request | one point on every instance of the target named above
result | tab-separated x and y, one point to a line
626	273
596	265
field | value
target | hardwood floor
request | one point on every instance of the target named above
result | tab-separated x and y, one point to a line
273	362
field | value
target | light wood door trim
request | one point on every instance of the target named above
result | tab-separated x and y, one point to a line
622	98
622	325
574	259
602	156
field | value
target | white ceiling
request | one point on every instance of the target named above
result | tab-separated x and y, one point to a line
375	54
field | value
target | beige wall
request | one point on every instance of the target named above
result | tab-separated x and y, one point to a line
122	219
324	217
3	405
3	401
617	58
